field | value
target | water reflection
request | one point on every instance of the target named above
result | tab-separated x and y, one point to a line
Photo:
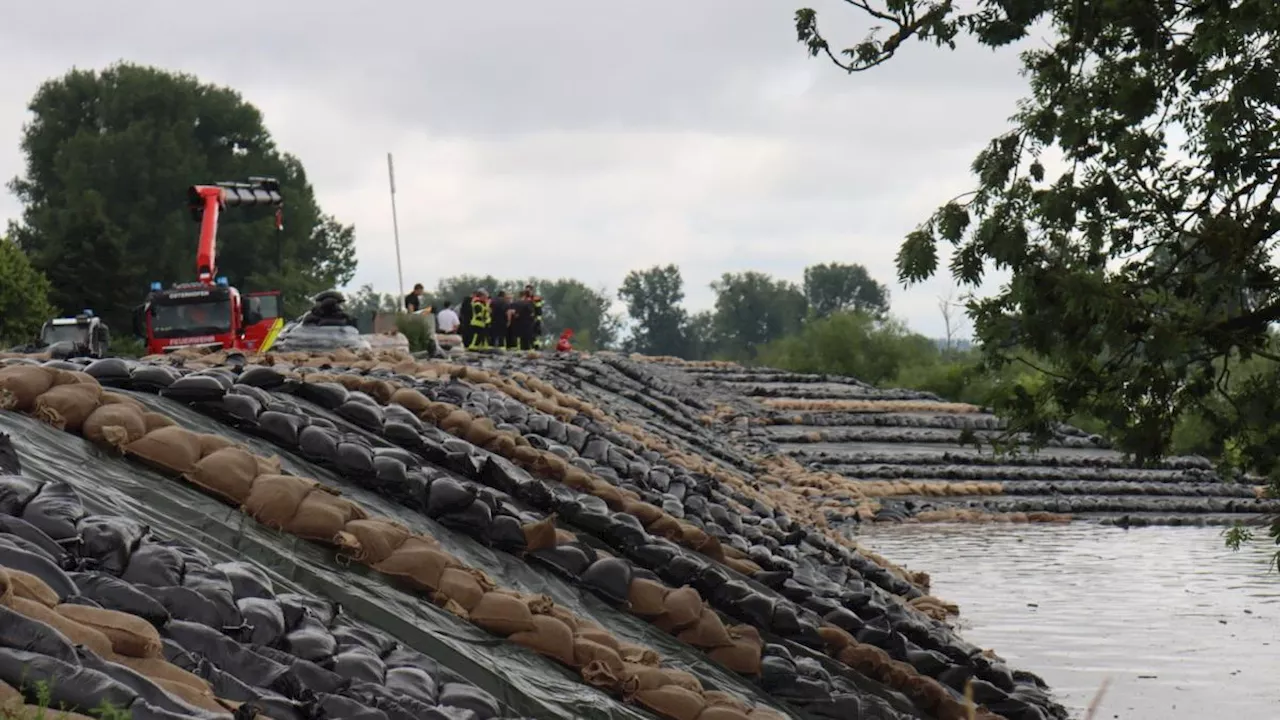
1183	627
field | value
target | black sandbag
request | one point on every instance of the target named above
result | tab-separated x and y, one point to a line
318	445
360	664
396	706
110	541
355	459
312	610
402	434
498	472
681	570
246	580
155	565
144	687
109	372
327	395
415	682
568	561
195	388
19	632
463	462
310	641
264	398
264	618
261	377
474	520
281	428
392	479
83	602
361	414
232	657
469	697
242	409
15	492
507	534
336	707
306	673
652	554
409	459
22	543
151	378
625	531
115	594
69	686
40	566
609	578
447	496
190	606
32	536
400	414
55	510
352	636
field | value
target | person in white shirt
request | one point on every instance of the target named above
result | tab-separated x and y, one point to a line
447	320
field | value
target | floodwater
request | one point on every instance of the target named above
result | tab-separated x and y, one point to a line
1180	625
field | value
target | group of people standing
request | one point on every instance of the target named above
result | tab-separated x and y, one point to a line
500	322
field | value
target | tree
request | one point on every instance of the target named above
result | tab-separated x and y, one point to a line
653	300
109	156
700	333
571	304
752	309
1145	268
855	344
832	287
24	296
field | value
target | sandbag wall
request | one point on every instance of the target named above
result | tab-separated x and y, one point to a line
309	510
356	406
97	610
871	437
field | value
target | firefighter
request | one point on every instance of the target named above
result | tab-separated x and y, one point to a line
521	334
481	320
500	320
535	300
564	345
464	321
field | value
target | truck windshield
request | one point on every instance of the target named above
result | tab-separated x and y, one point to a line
268	306
191	318
64	333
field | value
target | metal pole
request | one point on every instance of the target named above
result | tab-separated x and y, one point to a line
395	223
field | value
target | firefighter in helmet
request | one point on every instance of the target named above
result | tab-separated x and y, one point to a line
481	319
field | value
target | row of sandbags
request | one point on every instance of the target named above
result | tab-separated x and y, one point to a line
1113	504
998	463
953	470
307	509
206	633
950	421
733	655
192	380
803	392
662	560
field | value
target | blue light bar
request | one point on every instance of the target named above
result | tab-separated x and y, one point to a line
88	313
222	280
156	285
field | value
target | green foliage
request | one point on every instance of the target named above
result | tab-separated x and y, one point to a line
127	346
853	344
366	302
109	156
653	299
753	309
832	287
417	330
1146	269
24	297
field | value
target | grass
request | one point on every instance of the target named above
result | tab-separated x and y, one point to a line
44	711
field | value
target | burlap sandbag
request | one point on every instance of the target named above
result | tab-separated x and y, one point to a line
503	444
20	385
598	675
647	597
550	637
412	400
575	477
550	465
111	398
709	632
372	540
438	411
746	567
170	448
114	426
418	561
454	420
599	635
6	587
130	635
350	382
10	699
722	712
275	499
480	432
36	712
321	516
462	586
642	511
587	651
525	456
379	390
203	700
26	585
210	444
719	698
227	473
157	668
611	495
835	638
77	633
66	407
636	677
155	421
502	614
741	657
682	608
540	535
672	701
639	655
665	527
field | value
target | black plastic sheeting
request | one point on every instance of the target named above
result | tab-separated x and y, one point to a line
512	572
518	678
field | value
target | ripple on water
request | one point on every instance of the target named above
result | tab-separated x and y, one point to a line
1184	627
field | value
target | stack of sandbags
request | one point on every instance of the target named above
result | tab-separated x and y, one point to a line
877	664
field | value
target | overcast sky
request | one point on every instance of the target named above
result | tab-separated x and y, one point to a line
568	137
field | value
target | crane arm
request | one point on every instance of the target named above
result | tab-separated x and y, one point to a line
207	202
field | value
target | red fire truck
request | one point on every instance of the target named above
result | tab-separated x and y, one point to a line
209	312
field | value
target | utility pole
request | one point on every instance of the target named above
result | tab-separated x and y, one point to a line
395	223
